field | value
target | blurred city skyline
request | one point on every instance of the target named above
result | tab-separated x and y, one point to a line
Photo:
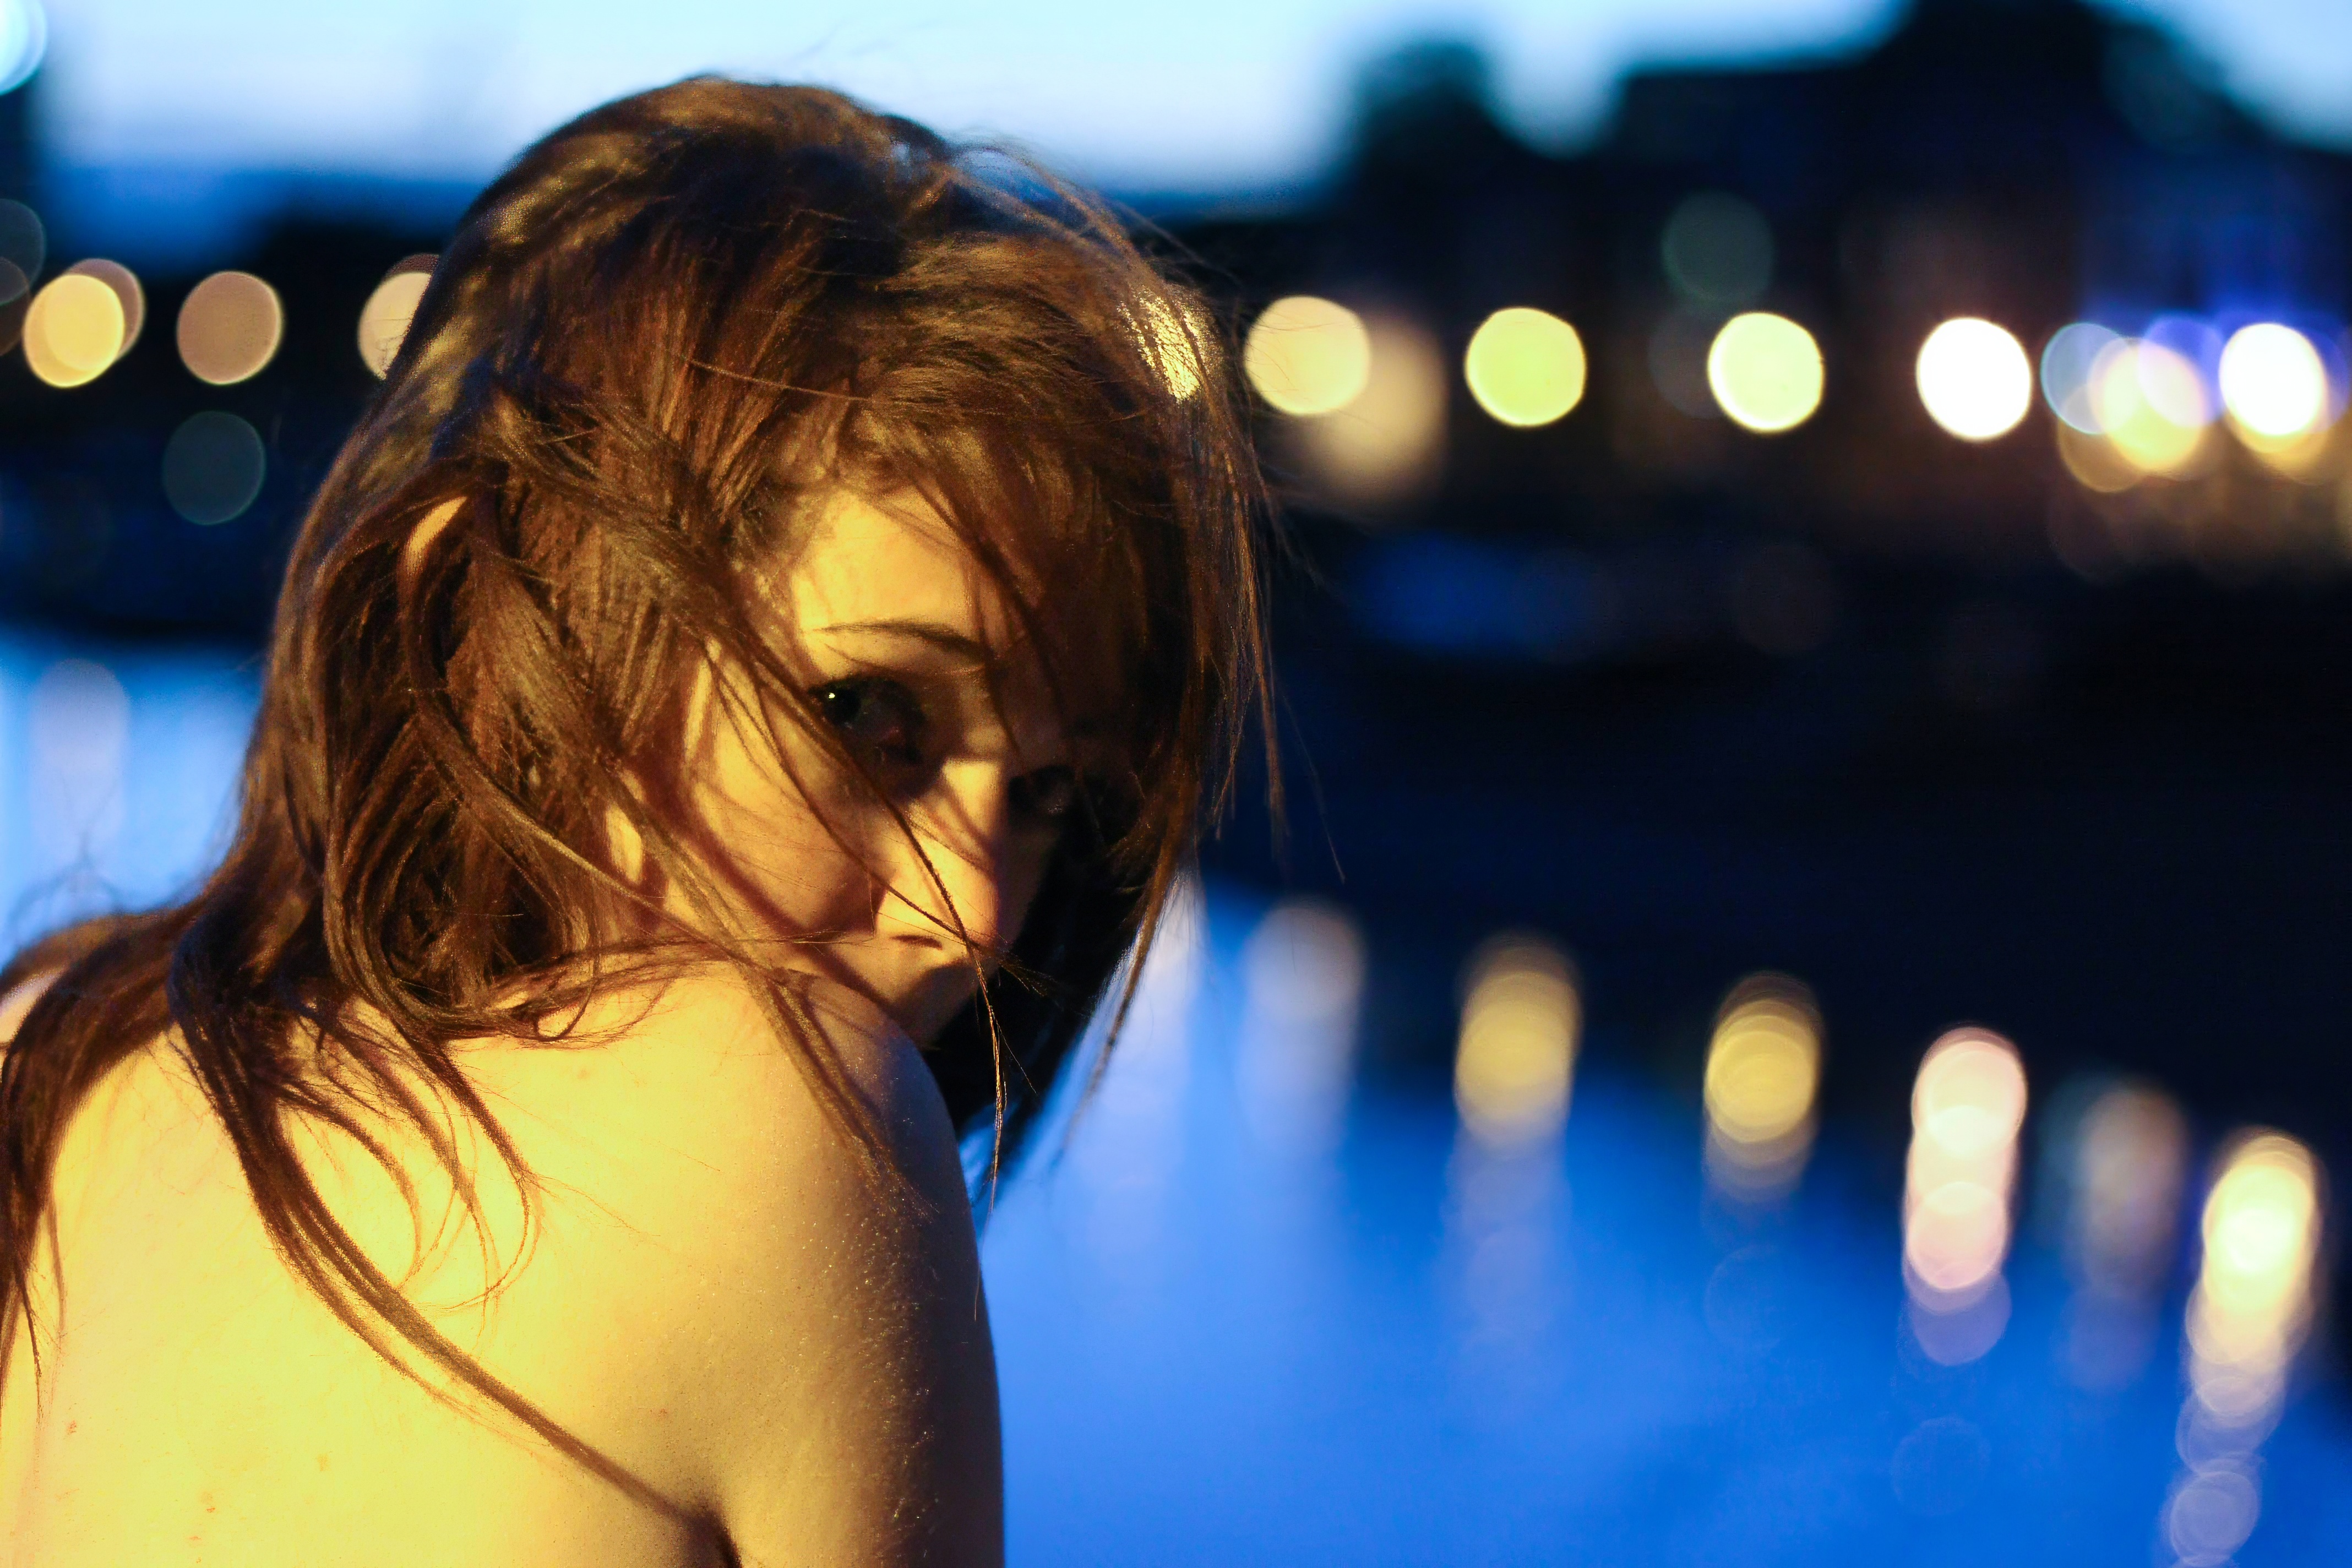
1225	97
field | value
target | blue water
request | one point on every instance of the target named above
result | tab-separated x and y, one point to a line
1376	1342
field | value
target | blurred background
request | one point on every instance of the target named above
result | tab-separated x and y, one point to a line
1800	1005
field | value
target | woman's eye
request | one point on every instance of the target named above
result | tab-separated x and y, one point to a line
878	717
1046	795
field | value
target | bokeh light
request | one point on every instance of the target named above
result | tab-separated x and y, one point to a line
1765	372
2273	385
212	467
1677	358
79	730
2252	1301
385	319
74	330
1974	378
2117	1155
2094	462
1302	993
1525	366
16	304
1718	249
1763	1069
2131	1154
23	41
2149	401
1967	1104
1515	1062
23	239
2210	1513
1387	444
230	327
2068	359
1306	355
128	291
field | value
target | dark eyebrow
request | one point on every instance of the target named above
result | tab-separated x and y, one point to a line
944	637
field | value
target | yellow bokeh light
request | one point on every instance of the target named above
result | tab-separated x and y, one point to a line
1389	443
2252	1301
229	328
2094	462
1306	356
128	291
2150	403
1969	1097
1966	1107
1525	366
2273	385
74	330
1765	372
1956	1236
1763	1066
1975	379
1515	1060
383	320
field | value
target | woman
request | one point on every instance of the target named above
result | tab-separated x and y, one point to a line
747	684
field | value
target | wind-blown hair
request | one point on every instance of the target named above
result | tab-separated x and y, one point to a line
654	342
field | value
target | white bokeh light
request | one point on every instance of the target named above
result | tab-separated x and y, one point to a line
1975	379
2273	383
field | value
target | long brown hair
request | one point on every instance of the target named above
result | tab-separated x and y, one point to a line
653	340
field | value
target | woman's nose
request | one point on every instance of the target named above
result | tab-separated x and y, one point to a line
962	827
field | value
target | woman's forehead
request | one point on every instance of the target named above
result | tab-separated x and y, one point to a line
867	562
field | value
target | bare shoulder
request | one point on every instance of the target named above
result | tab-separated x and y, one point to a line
812	1317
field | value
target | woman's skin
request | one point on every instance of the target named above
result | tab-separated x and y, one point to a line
712	1293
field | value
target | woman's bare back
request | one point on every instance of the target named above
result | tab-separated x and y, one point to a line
709	1297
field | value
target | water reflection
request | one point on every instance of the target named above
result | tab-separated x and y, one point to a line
116	775
1967	1106
2246	1323
1506	1189
2122	1158
1763	1066
1302	974
1128	1146
1449	1341
1515	1059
